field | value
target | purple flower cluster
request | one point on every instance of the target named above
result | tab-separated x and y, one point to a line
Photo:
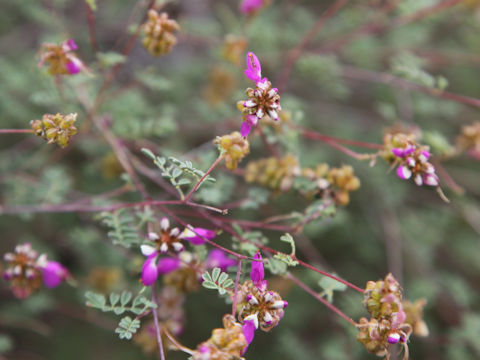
26	270
259	307
170	239
61	58
413	164
263	100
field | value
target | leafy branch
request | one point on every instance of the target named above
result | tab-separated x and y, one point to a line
287	259
178	172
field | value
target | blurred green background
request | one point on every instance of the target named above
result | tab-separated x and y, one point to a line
168	104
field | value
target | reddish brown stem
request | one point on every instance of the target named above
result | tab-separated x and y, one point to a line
157	325
321	299
91	27
237	280
16	131
317	136
197	185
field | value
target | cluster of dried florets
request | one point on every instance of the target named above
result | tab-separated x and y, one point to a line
383	300
55	128
234	48
333	183
227	343
262	101
61	58
324	182
220	86
234	147
410	158
469	140
275	173
168	240
26	271
258	307
159	31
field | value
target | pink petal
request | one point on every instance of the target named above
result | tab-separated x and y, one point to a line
430	180
398	152
197	236
69	45
245	129
248	329
257	272
218	258
167	265
149	271
404	172
250	6
53	274
74	66
254	69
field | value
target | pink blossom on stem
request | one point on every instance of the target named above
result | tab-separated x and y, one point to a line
248	7
248	329
197	236
167	265
257	272
69	45
53	274
149	270
74	66
403	172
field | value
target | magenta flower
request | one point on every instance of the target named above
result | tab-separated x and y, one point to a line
248	7
248	329
402	152
404	173
249	121
149	270
254	69
257	272
53	273
69	45
74	65
197	236
218	258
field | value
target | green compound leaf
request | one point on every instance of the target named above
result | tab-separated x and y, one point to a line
218	280
140	303
287	259
127	327
123	231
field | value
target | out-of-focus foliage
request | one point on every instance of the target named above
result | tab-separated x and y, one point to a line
176	105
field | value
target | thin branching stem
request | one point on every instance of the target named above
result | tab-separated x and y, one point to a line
321	299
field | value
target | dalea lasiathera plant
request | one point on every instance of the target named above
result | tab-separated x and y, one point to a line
192	211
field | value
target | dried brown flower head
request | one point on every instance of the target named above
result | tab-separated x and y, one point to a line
55	128
159	31
226	343
234	147
277	174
